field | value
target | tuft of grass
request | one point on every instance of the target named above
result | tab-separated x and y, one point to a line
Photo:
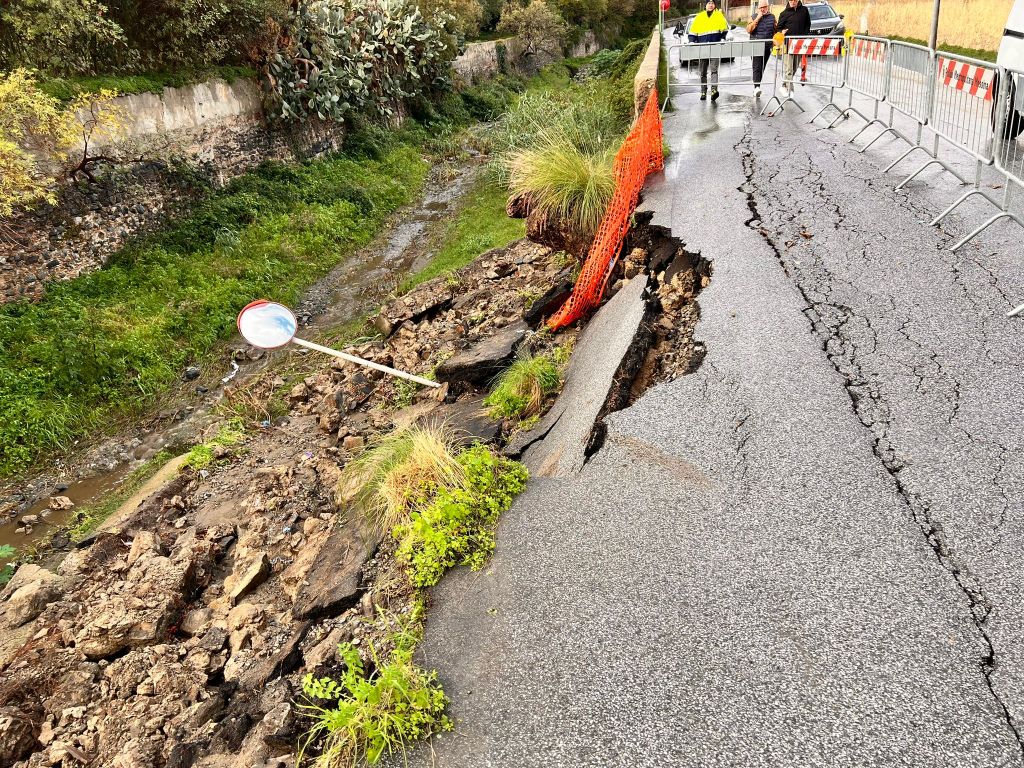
564	182
377	709
521	388
479	225
202	455
457	526
395	473
89	517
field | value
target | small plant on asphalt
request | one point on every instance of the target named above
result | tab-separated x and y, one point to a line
376	709
457	526
520	390
398	470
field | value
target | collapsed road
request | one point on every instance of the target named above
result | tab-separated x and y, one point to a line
808	551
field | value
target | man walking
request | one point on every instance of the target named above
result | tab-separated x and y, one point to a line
795	21
709	27
761	27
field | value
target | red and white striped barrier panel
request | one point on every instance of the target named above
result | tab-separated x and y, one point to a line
815	46
961	76
867	49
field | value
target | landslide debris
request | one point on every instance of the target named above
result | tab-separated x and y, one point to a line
181	639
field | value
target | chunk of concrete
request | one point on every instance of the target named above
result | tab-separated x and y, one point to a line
557	446
482	362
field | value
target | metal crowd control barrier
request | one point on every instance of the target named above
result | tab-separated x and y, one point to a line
703	61
867	73
962	115
816	62
955	97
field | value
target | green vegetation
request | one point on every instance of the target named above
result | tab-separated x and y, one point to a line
67	88
88	518
370	713
521	388
202	455
7	552
479	225
389	479
556	147
167	299
457	526
974	53
451	506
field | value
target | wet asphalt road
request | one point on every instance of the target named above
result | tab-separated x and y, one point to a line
807	553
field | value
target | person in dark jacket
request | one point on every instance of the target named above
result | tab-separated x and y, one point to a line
795	21
761	27
709	27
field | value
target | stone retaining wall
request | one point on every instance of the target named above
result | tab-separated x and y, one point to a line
646	79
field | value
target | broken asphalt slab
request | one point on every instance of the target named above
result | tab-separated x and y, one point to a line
558	445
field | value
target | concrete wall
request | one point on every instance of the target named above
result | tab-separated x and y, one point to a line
488	58
646	79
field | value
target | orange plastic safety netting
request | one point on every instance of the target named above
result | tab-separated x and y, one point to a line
639	155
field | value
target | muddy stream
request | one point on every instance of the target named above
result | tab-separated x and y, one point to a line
30	512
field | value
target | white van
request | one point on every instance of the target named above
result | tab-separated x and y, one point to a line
1011	56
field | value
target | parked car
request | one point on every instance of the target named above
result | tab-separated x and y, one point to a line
824	20
1011	56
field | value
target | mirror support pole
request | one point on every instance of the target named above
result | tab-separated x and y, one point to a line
365	363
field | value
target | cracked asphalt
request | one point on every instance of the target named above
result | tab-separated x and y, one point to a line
808	552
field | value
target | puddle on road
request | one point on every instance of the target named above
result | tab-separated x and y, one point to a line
82	493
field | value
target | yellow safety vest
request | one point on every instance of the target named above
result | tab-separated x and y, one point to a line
704	24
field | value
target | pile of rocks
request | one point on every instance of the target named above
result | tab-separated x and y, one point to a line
180	634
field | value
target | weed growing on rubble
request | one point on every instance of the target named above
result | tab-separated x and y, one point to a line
521	388
202	455
375	709
392	476
457	526
7	552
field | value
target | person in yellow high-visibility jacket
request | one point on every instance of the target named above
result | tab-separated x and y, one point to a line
709	27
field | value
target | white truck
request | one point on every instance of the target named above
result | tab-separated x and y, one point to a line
1011	56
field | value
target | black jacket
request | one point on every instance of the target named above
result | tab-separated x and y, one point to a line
795	21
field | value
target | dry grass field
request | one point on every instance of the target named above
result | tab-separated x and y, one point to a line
965	23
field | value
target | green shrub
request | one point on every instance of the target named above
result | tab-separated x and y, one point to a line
521	388
358	57
370	713
7	552
457	527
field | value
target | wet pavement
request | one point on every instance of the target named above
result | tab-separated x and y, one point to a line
806	553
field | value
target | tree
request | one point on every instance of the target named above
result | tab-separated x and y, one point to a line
468	14
57	36
538	27
41	139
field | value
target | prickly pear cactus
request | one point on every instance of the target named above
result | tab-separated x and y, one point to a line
358	56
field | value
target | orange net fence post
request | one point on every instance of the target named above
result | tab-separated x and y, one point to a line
639	155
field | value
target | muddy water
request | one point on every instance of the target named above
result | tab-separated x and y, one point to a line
356	286
82	493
